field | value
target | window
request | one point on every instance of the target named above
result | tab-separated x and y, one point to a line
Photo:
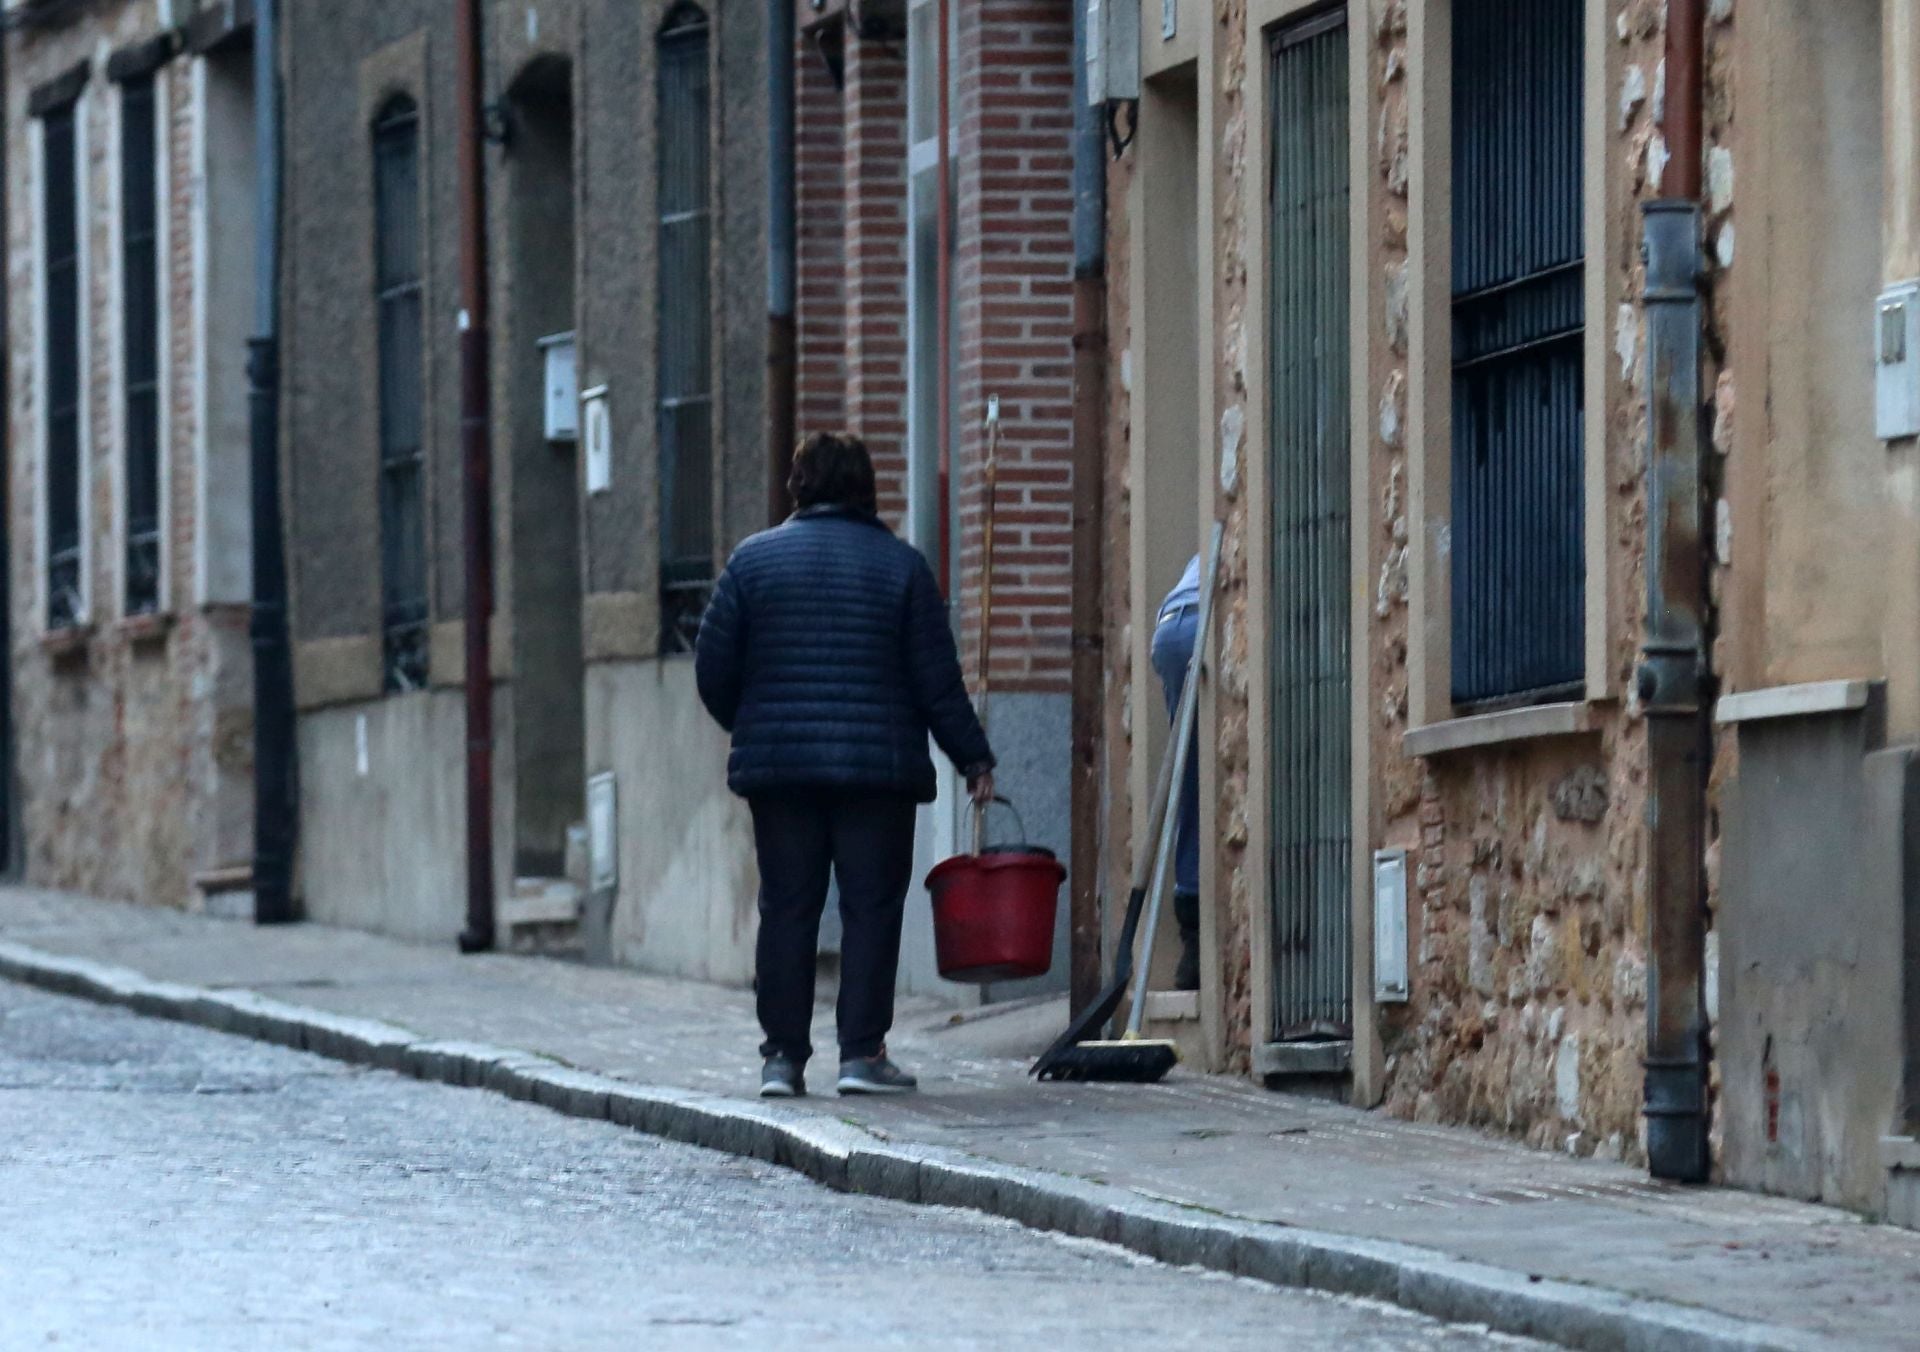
1519	580
140	319
61	235
925	436
403	556
685	360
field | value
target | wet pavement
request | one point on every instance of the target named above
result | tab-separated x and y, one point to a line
164	1187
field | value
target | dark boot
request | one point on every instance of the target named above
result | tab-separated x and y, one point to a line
1186	912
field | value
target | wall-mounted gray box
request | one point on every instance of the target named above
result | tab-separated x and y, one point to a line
1113	51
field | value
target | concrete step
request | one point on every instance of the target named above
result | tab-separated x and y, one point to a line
542	915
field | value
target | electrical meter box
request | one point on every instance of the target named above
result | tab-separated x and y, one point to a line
1896	362
1390	974
1113	51
563	388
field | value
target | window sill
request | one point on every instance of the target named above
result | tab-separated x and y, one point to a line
1793	701
1570	719
147	630
67	644
1900	1152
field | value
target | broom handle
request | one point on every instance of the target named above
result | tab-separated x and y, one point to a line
986	596
1177	764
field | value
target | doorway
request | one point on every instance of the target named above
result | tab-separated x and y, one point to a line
549	713
1168	439
1310	454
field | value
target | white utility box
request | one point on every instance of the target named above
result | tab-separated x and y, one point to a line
597	438
563	388
1896	362
1390	976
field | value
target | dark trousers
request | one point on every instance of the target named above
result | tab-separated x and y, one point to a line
866	841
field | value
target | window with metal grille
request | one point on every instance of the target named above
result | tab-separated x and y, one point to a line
1519	575
403	553
685	363
61	256
140	337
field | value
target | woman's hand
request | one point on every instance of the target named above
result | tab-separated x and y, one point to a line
980	787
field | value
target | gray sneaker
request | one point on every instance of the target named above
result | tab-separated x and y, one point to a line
874	1075
781	1077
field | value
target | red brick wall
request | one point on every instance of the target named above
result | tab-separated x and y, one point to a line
820	184
876	262
1012	295
1013	290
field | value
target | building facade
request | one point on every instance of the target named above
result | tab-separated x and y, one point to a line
129	222
1380	305
626	233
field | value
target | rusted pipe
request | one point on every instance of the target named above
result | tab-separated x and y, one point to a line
1674	679
943	302
1089	517
476	455
1686	30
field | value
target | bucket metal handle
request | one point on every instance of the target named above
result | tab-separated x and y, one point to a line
980	821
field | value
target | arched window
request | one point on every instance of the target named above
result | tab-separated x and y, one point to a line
403	551
685	353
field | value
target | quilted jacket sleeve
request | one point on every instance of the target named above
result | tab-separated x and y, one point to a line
719	653
933	673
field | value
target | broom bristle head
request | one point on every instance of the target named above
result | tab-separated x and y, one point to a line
1134	1061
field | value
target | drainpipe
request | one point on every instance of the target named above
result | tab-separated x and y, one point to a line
1673	676
477	456
1089	512
9	785
780	257
275	774
943	298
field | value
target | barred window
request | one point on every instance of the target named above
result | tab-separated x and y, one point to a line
140	320
1519	575
403	556
685	416
61	262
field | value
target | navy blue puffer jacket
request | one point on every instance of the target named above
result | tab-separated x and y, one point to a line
826	653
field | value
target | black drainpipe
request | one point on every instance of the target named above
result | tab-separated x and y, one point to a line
1674	678
275	790
1089	522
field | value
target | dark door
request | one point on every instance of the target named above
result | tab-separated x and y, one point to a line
1310	455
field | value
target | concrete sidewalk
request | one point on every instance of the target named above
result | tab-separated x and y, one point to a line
1197	1169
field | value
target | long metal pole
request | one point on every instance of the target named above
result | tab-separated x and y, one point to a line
1089	521
1674	676
275	774
477	456
781	356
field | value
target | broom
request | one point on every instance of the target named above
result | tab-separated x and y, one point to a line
1132	1058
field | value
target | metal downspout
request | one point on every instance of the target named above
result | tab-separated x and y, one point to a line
1089	513
1673	676
275	772
477	456
780	257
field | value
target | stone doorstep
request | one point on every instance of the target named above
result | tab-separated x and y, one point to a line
844	1156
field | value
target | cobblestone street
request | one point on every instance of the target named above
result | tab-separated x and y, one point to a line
166	1187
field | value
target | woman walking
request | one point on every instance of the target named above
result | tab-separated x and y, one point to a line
827	655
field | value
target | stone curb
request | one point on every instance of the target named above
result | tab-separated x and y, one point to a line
849	1158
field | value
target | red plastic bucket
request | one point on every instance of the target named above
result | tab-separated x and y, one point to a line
993	913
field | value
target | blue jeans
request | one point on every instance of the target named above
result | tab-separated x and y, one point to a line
1173	640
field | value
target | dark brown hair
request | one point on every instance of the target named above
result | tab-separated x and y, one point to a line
833	469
